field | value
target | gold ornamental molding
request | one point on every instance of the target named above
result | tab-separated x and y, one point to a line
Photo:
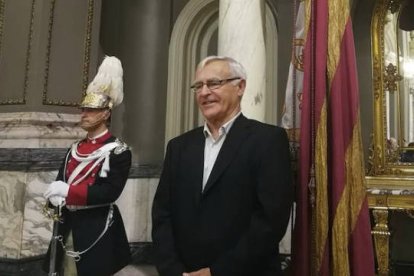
86	58
377	78
381	235
28	52
386	78
391	77
385	194
2	6
390	182
377	156
88	40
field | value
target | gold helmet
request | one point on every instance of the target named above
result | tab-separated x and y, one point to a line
106	89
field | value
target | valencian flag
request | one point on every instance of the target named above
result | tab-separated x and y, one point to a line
291	112
332	230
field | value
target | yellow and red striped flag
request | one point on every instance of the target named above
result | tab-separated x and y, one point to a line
332	232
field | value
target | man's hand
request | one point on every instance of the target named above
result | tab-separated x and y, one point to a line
201	272
57	188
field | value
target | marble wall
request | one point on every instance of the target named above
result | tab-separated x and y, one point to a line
25	231
135	205
32	147
39	130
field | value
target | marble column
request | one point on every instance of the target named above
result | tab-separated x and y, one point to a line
144	30
241	36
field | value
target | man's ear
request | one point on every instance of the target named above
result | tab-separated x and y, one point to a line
242	87
107	114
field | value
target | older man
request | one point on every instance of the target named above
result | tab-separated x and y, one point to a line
224	197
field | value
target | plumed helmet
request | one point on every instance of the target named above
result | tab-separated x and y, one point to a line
106	89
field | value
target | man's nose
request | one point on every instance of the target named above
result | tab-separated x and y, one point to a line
204	90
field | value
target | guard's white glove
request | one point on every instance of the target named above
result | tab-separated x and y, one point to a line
57	201
57	188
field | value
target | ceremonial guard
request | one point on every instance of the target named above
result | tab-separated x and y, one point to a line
90	236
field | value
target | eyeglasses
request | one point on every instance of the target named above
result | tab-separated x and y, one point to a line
211	84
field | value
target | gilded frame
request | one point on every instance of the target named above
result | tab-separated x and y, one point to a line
381	161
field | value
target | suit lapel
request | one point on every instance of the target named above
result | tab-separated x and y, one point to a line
234	139
196	153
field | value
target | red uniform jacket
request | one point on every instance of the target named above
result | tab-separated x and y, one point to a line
112	252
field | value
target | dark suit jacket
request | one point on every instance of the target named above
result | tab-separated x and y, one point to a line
235	224
112	252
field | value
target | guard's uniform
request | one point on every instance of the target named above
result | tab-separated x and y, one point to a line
88	205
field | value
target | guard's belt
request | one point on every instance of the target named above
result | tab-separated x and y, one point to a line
85	207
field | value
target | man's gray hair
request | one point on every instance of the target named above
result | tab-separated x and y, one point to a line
236	69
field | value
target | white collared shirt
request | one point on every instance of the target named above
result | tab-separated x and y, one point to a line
212	146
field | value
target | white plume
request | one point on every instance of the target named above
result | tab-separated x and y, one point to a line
108	80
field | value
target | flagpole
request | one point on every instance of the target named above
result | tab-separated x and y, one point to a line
294	143
293	61
312	179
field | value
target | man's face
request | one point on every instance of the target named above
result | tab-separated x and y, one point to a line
92	118
220	104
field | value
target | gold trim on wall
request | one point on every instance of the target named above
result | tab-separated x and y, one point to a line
88	40
86	58
2	5
28	53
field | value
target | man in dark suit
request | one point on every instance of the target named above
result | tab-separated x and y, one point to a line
91	238
223	201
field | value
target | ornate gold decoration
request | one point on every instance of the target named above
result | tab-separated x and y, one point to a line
96	100
86	59
88	39
384	194
298	55
28	53
382	160
386	176
2	4
50	213
372	168
391	77
377	50
377	79
381	240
